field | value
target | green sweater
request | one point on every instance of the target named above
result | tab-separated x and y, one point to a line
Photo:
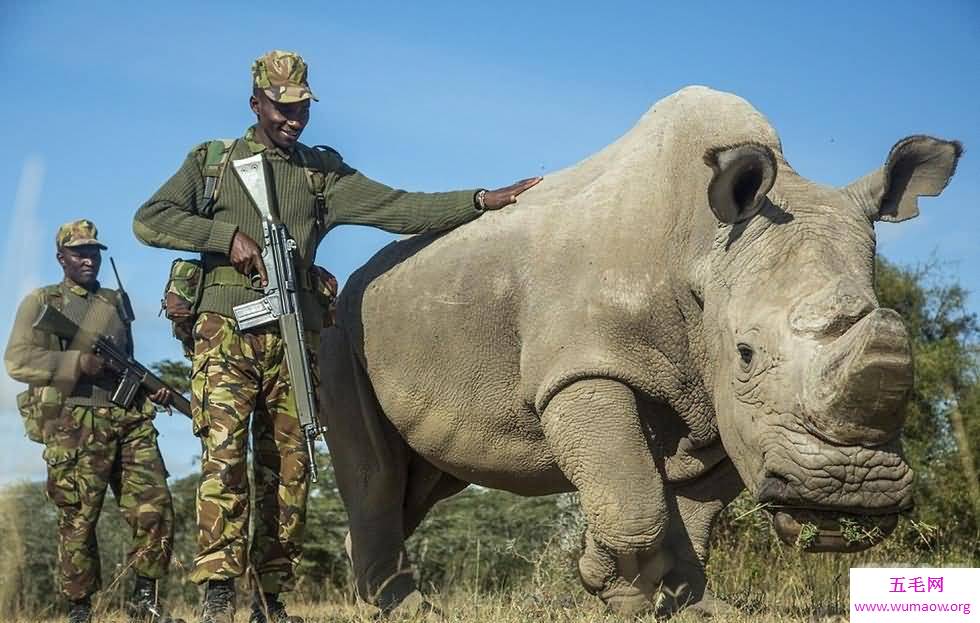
175	217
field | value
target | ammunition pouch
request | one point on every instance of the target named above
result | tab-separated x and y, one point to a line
38	406
181	297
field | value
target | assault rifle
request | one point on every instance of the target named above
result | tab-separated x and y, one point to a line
132	375
280	301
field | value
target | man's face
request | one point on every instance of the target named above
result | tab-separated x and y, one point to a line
279	124
81	264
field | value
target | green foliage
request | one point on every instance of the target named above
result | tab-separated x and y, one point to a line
485	539
176	374
945	348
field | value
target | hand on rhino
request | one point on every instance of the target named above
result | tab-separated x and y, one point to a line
503	197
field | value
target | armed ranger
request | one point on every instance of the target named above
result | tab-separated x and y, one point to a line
131	375
280	300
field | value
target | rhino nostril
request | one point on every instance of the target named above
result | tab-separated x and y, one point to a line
745	353
774	489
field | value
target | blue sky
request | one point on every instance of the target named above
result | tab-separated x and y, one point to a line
106	99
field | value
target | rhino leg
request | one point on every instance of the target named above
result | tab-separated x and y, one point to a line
426	486
371	462
694	508
594	431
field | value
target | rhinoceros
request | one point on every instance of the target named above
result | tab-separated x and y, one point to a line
676	318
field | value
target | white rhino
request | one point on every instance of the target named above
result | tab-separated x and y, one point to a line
677	315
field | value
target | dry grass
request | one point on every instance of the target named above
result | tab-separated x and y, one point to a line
469	608
765	581
787	586
12	554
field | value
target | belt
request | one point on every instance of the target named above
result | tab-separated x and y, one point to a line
226	275
84	401
88	396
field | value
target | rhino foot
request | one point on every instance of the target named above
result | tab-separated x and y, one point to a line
710	606
707	606
413	607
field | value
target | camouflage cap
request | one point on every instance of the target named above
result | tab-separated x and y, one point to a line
282	76
78	233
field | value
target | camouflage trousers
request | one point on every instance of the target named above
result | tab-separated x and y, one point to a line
238	377
87	448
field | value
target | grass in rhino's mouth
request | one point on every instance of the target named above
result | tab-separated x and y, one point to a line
814	531
860	530
807	536
853	530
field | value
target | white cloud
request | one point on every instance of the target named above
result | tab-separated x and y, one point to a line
22	255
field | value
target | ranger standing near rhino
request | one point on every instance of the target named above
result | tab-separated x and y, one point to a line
237	373
89	441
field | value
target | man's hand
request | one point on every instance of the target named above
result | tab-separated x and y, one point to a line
496	199
162	397
91	365
246	257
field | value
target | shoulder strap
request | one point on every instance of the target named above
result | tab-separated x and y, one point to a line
53	296
316	176
218	155
115	298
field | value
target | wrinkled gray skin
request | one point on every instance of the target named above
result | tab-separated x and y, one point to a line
675	316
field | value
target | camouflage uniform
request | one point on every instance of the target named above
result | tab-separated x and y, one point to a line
241	377
236	374
89	442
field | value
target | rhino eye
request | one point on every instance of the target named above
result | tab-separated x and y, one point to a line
745	353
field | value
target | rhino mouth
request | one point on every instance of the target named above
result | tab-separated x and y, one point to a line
852	524
814	530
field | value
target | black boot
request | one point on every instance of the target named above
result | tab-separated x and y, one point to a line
80	611
144	607
266	608
219	601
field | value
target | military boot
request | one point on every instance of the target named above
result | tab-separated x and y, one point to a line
266	608
219	601
80	611
144	606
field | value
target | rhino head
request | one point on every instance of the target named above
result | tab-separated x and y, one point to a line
810	375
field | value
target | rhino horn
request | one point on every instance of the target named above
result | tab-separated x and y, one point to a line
858	385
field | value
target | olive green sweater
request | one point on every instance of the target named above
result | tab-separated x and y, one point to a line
176	217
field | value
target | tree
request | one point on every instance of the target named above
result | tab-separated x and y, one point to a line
941	432
176	374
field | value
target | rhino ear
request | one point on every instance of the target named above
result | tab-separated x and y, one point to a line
917	166
743	174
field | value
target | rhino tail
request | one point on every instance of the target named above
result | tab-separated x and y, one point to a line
349	405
